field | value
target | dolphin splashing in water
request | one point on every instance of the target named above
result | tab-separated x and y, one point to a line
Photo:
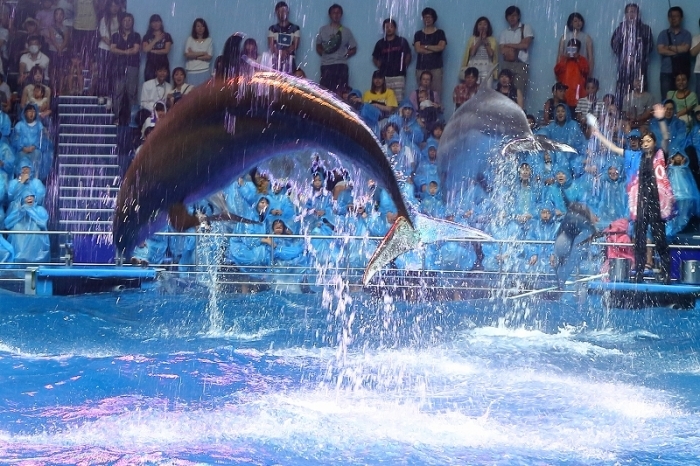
488	130
222	129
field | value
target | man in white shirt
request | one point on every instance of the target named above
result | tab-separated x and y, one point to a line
32	58
156	89
514	44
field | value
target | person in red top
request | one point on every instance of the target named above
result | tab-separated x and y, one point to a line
572	70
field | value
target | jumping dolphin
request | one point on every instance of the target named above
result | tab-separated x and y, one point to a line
485	131
235	121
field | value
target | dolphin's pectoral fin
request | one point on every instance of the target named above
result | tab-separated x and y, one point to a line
548	144
538	144
401	237
432	229
181	219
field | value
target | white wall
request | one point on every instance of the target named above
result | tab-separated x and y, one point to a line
456	17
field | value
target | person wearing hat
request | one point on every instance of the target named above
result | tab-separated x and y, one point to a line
558	96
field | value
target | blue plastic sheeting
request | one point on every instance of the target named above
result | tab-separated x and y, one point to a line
97	272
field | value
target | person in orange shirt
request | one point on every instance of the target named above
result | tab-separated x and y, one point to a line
572	70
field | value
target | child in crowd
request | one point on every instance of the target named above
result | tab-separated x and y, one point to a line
610	203
590	103
539	256
572	70
73	82
286	256
526	196
26	180
558	97
29	140
426	170
466	88
431	203
410	130
28	216
404	158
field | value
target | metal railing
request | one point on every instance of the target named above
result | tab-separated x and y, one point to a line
313	272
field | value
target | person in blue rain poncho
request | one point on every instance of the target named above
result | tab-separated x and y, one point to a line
28	216
7	159
447	255
611	200
410	130
30	139
677	130
539	258
5	127
368	112
26	179
357	252
685	192
526	196
568	131
3	198
286	255
505	256
545	164
564	191
7	251
403	157
281	205
251	255
150	251
427	169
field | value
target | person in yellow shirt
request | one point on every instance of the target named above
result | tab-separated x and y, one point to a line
380	96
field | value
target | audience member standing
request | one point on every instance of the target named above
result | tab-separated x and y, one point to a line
85	30
429	44
673	46
125	47
156	44
514	46
335	44
199	50
392	55
632	43
109	24
574	30
482	49
283	40
694	51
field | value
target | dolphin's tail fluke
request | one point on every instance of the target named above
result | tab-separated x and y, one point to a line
403	237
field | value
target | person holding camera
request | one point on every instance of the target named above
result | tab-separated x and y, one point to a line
572	70
180	87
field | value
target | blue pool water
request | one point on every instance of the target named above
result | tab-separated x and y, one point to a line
170	378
